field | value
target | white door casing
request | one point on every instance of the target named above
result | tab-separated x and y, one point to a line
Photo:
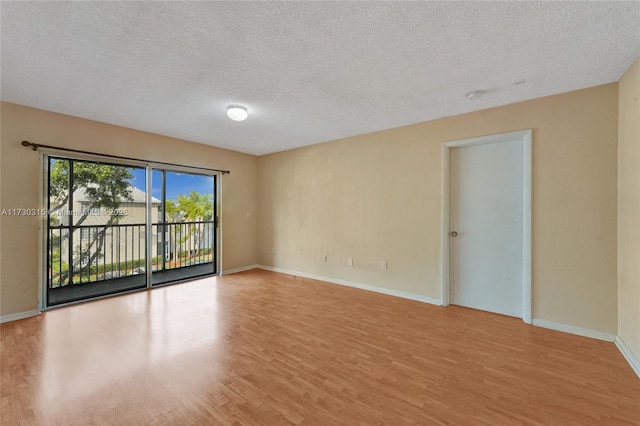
486	199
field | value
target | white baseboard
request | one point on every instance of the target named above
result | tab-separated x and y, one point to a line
633	361
241	269
367	287
19	316
600	335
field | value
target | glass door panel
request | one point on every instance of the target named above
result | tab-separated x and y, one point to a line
183	228
96	239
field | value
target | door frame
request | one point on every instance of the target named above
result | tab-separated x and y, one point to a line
525	137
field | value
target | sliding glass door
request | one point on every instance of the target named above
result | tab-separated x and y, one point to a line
106	235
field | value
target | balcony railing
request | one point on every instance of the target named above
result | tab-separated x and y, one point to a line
92	253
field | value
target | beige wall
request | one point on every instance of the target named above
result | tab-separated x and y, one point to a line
20	178
377	197
372	197
629	209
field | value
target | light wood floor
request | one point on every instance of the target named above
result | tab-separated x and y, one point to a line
270	349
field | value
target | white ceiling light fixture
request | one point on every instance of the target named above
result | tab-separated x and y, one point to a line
237	113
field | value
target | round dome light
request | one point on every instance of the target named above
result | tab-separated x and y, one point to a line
237	113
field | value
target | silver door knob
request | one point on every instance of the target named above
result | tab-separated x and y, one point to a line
454	234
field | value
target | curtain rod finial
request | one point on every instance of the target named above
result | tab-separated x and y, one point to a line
32	145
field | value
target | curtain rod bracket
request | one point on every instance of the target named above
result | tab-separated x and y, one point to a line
36	146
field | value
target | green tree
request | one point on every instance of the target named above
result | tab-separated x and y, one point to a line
195	207
104	185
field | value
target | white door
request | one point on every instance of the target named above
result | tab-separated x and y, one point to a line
486	223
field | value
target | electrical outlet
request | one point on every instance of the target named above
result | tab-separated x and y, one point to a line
324	258
349	261
384	265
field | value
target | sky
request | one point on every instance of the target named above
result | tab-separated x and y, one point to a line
177	183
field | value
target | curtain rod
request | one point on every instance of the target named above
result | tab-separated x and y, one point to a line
35	147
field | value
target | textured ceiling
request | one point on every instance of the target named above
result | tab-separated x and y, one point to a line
308	72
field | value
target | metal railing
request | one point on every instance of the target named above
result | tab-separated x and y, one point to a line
183	244
91	253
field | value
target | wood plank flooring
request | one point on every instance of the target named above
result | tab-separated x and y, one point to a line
260	348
